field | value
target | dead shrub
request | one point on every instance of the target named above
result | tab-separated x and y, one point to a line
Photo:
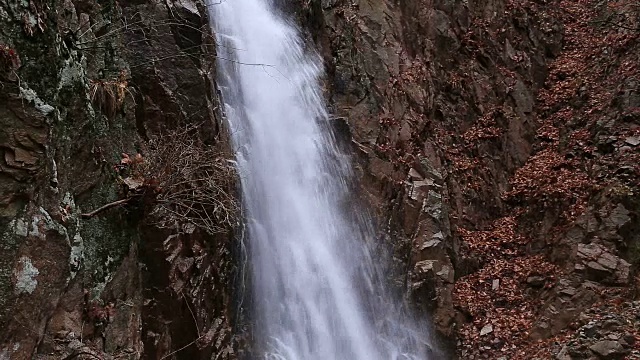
192	182
109	95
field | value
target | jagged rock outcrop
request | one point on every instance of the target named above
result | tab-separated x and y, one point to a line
602	266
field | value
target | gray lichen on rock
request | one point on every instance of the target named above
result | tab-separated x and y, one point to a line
31	96
25	276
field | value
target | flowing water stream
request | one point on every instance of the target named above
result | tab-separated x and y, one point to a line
315	284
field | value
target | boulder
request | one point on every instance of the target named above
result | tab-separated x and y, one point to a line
602	266
608	349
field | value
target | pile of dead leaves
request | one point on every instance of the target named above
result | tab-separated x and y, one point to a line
501	300
549	178
501	240
587	140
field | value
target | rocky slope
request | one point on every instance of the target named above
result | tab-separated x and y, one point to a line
499	143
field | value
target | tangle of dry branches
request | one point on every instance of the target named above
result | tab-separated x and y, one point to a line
193	182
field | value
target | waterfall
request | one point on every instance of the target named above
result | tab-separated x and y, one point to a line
316	295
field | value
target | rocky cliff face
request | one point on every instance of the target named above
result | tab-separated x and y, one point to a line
499	143
84	86
497	140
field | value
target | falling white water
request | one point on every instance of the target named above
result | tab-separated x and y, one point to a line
314	287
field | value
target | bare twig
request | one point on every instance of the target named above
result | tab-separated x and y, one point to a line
184	347
105	207
186	301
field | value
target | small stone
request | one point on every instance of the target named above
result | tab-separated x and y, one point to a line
435	240
431	243
543	325
414	174
536	281
424	267
611	324
446	274
619	217
589	330
629	339
487	329
632	140
569	291
495	284
133	184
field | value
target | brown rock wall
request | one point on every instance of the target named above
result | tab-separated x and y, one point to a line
488	135
81	83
